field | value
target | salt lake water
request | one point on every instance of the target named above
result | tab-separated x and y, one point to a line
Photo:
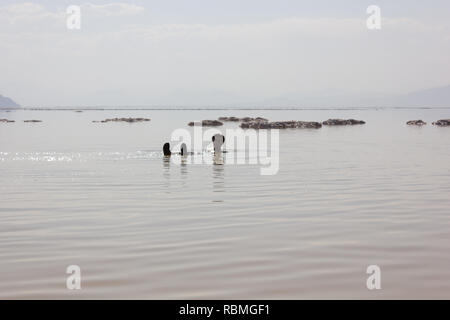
103	197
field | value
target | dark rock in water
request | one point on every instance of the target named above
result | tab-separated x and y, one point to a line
207	123
6	120
259	119
442	123
416	123
32	121
342	122
78	111
308	125
281	125
129	120
231	119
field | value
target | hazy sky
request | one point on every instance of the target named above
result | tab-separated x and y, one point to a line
218	52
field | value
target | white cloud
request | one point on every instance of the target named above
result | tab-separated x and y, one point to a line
114	9
26	8
26	15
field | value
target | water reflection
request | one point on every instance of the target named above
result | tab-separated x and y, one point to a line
218	177
166	173
183	169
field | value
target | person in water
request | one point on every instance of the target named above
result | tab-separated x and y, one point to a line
183	150
218	141
166	149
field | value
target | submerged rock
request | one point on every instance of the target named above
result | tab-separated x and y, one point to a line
281	125
207	123
442	123
129	120
342	122
32	121
257	119
416	123
6	120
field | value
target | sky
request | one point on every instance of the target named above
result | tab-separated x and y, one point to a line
220	53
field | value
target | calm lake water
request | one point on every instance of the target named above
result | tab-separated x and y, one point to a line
102	196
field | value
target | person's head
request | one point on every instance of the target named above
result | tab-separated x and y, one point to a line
183	149
166	149
218	141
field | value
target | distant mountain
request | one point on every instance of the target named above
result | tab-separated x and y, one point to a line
434	97
6	102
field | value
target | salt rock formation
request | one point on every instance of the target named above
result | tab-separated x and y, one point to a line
442	123
32	121
230	119
257	119
342	122
281	125
416	123
6	120
207	123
